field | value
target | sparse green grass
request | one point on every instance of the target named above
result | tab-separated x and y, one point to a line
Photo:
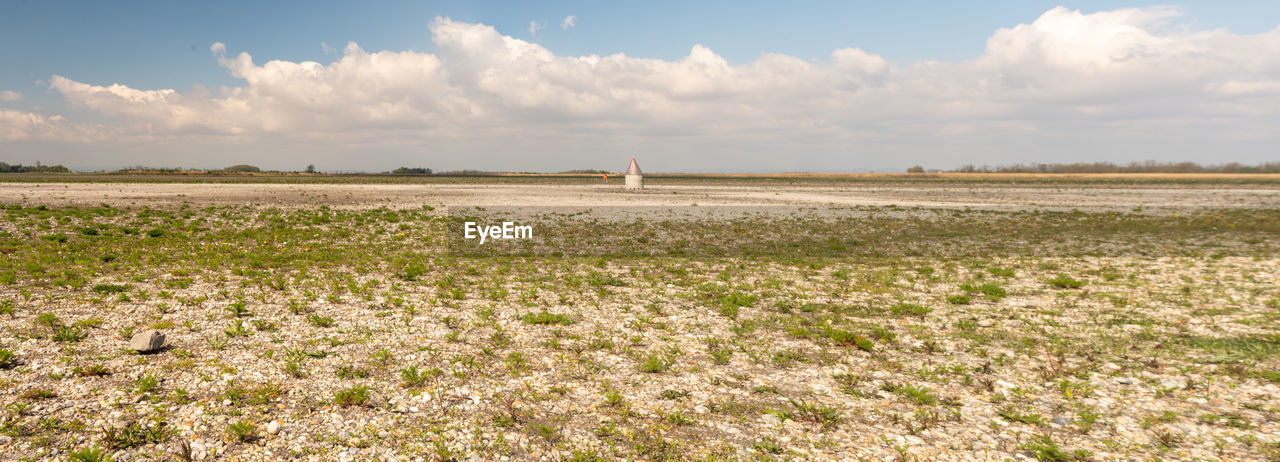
826	417
655	363
989	289
1063	281
413	378
242	430
1013	414
354	396
7	358
1045	450
320	321
70	334
545	319
909	309
94	370
108	289
137	434
90	454
916	394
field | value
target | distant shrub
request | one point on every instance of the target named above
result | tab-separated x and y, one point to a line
411	171
243	168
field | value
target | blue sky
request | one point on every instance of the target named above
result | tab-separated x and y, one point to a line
166	45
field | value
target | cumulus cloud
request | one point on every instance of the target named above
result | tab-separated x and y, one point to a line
1117	77
569	21
22	126
10	95
534	27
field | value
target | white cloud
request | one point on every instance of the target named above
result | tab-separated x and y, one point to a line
1068	79
534	27
10	95
569	21
22	126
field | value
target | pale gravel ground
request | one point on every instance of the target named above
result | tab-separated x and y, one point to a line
402	423
1065	196
398	418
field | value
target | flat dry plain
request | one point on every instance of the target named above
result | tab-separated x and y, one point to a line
710	318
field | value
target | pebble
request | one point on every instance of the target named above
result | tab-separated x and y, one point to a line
273	427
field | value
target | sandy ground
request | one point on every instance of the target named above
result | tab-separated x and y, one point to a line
1067	196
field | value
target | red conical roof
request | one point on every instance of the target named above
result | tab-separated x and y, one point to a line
633	169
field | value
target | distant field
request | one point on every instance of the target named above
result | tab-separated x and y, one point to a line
701	319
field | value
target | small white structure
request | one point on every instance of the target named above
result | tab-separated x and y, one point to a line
635	179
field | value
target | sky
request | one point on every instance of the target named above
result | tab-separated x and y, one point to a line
681	86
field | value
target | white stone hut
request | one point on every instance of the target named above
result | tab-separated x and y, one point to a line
635	179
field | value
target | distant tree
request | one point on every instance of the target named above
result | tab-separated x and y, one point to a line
311	168
916	169
412	171
19	168
243	168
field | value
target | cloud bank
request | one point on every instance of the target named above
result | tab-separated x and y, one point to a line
1098	85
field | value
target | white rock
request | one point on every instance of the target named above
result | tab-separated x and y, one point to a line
147	341
273	427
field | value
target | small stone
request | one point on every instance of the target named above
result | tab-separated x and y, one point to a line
273	427
1061	421
147	341
985	323
198	450
1127	380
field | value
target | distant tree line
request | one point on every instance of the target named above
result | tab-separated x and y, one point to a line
411	171
1149	166
19	168
467	172
586	171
